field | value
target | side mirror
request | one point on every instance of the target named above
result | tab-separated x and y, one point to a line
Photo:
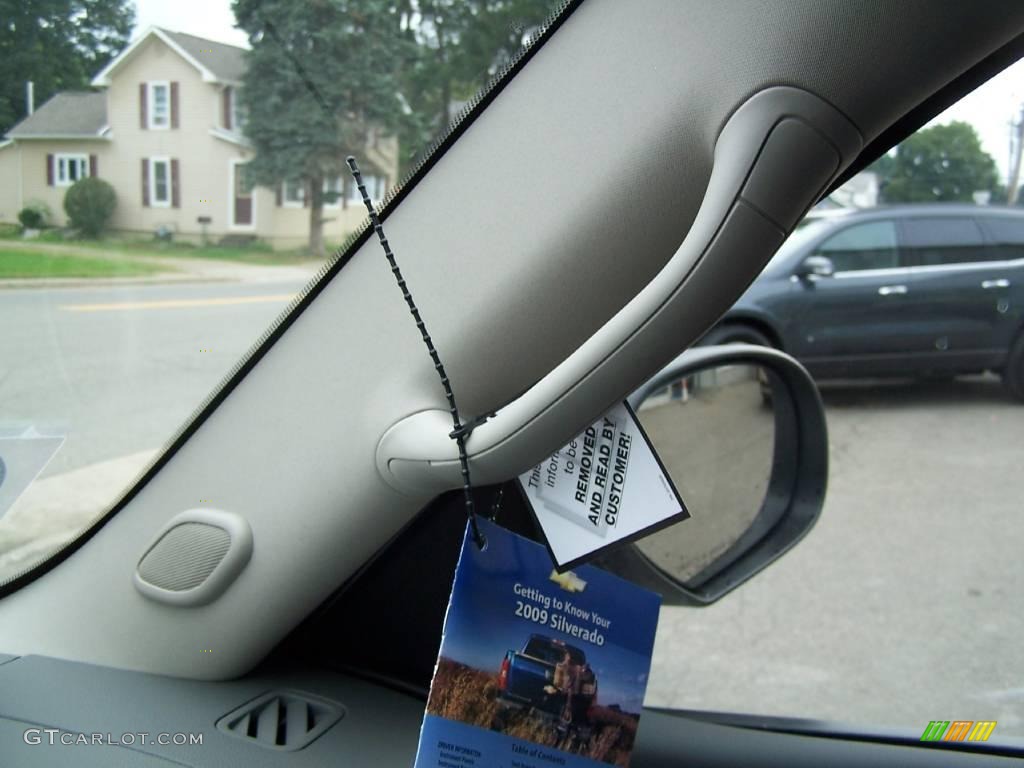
815	266
741	431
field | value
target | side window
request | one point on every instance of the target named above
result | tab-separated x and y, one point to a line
160	105
334	188
934	241
871	245
71	168
1007	236
160	179
293	194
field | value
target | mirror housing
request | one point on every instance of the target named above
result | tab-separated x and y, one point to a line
796	487
814	267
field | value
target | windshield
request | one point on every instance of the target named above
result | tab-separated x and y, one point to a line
904	601
160	210
173	178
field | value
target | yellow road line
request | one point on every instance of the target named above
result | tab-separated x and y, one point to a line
123	306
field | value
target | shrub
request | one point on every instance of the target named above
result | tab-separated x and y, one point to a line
35	215
90	203
30	218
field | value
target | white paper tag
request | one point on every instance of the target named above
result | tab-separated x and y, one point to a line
605	487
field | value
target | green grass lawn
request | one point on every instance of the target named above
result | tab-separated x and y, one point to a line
255	253
252	254
37	264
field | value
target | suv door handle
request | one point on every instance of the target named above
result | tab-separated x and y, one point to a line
890	290
989	284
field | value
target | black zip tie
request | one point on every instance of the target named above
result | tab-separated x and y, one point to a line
465	430
460	431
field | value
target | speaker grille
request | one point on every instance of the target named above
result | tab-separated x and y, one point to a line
185	556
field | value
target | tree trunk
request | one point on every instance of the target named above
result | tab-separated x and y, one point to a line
316	219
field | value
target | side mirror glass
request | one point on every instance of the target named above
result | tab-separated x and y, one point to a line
816	266
741	432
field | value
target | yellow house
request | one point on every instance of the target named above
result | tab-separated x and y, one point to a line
164	129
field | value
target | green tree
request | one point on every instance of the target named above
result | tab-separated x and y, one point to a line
321	79
941	163
58	45
460	45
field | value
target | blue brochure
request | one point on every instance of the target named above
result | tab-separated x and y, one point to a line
536	668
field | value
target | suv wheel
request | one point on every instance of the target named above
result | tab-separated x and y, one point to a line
735	333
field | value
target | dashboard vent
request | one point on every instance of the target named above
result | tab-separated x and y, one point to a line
282	720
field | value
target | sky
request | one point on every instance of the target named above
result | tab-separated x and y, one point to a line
989	109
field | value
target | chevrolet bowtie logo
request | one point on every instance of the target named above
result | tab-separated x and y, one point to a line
568	581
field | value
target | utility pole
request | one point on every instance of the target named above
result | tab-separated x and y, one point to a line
1016	145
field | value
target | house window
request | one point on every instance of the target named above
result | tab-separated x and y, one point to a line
333	192
70	168
293	194
376	187
160	105
160	182
236	111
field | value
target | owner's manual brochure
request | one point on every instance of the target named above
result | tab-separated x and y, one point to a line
537	668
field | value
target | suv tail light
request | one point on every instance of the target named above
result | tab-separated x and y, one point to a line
503	675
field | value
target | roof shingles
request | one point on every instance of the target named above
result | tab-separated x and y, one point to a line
226	62
72	114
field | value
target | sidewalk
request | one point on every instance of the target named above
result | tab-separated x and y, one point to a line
179	269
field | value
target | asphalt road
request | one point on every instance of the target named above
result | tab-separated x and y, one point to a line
116	371
904	604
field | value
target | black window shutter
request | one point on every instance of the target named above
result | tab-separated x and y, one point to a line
142	106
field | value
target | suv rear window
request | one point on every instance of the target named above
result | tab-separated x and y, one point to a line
1007	234
546	650
949	240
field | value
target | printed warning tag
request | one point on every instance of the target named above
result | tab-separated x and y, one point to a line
536	668
604	488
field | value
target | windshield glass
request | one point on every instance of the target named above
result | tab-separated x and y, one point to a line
161	206
173	176
917	347
545	649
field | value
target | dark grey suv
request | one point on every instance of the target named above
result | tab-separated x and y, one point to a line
930	290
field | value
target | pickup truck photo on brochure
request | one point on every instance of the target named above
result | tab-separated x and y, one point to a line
543	674
558	638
